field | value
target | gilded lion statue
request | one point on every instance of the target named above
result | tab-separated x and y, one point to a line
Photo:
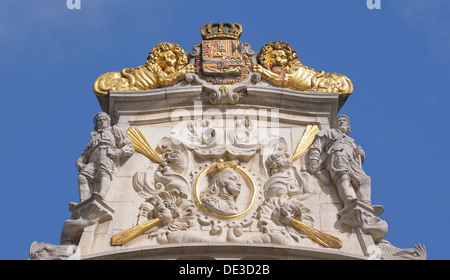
278	63
166	65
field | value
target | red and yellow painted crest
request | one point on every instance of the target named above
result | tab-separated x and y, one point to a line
222	57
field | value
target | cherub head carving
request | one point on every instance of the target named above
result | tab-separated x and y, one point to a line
284	213
278	162
173	159
172	210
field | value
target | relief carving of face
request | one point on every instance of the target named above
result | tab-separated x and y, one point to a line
230	182
220	196
283	214
278	161
165	211
174	160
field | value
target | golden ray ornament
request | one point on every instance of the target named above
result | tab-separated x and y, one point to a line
306	141
131	233
322	238
141	144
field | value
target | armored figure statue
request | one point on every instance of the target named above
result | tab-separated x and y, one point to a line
108	146
343	161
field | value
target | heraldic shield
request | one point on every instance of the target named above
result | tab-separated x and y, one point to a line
222	57
222	51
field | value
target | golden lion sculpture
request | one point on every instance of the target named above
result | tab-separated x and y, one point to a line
166	65
279	64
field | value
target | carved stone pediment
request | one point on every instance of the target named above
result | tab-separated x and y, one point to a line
225	148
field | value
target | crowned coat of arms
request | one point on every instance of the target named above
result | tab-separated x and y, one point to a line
222	50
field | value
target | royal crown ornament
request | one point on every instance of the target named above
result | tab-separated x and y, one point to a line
222	30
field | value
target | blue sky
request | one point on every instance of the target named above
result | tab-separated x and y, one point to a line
397	57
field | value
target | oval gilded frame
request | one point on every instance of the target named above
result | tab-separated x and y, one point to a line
243	212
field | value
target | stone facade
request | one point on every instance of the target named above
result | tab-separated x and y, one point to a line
213	168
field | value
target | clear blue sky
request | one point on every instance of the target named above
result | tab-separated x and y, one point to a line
397	57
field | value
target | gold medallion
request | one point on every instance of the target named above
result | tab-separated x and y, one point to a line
228	192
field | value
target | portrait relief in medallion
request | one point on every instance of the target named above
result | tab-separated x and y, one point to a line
225	190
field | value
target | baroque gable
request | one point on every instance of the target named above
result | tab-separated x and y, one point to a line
223	147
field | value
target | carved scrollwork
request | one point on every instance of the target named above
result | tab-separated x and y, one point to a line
170	213
225	94
166	176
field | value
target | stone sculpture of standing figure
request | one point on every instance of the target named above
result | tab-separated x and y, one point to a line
343	161
108	146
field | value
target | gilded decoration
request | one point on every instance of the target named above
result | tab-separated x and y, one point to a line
279	64
306	141
257	164
141	144
222	190
223	59
166	65
220	197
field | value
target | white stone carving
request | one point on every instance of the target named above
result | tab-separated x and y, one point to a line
108	147
343	161
221	195
46	251
269	201
274	217
89	212
389	252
